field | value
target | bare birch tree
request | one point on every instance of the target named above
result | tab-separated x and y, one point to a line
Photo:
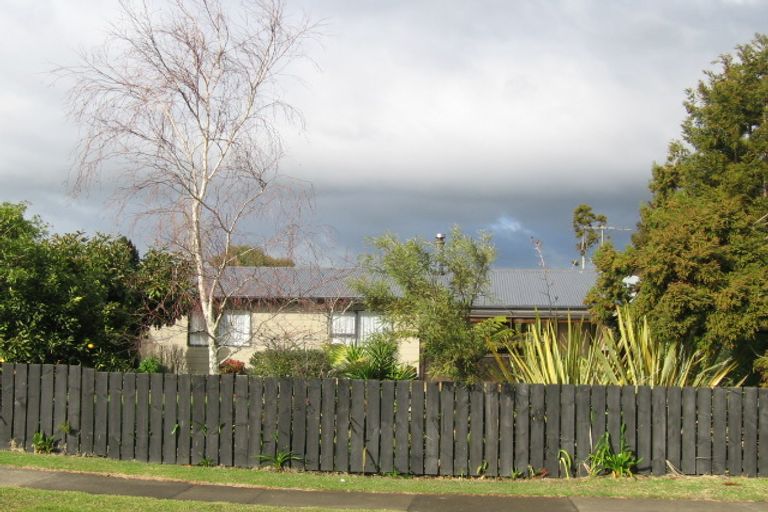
183	99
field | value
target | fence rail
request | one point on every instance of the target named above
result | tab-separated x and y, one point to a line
420	428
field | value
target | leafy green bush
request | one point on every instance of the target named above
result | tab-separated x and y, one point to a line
425	290
72	299
150	364
291	361
374	359
232	366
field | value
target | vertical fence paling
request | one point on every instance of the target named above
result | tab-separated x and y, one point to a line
33	403
416	456
762	458
241	421
73	410
127	442
313	404
402	419
371	426
6	404
387	431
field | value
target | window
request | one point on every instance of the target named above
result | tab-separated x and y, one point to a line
354	327
197	334
344	328
370	323
234	329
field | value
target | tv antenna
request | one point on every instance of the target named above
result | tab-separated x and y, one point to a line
602	228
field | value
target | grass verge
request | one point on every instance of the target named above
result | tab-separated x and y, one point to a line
18	500
668	487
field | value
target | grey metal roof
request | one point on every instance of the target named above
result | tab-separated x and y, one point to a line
510	288
537	289
288	282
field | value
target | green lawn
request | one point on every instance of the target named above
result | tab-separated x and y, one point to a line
17	500
709	488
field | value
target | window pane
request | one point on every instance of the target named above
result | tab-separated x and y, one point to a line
370	323
198	339
343	328
234	329
196	328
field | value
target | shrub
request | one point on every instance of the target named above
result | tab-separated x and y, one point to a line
150	364
375	359
290	361
232	366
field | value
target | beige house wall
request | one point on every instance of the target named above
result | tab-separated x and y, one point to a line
284	328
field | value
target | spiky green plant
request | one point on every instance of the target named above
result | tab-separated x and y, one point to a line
631	356
543	356
604	460
279	460
635	357
374	359
43	443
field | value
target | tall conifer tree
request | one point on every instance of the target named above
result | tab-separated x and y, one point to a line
701	249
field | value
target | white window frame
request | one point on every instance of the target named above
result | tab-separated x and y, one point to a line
340	332
198	337
345	335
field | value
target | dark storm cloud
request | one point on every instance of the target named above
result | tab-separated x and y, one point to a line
513	219
492	115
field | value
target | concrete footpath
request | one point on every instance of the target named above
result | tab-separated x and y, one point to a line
291	499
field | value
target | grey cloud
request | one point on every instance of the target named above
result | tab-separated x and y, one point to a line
423	114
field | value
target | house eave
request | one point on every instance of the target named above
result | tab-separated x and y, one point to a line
575	313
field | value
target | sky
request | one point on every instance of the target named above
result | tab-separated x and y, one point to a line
491	115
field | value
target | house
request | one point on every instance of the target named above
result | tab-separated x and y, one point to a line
293	306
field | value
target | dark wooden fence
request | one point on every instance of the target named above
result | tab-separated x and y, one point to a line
380	427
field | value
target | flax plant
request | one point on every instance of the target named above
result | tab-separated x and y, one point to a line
631	356
636	357
540	355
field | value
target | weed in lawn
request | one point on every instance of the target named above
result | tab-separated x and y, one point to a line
279	460
396	474
604	460
43	443
205	462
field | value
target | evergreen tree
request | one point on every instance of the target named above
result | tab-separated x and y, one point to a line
701	249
